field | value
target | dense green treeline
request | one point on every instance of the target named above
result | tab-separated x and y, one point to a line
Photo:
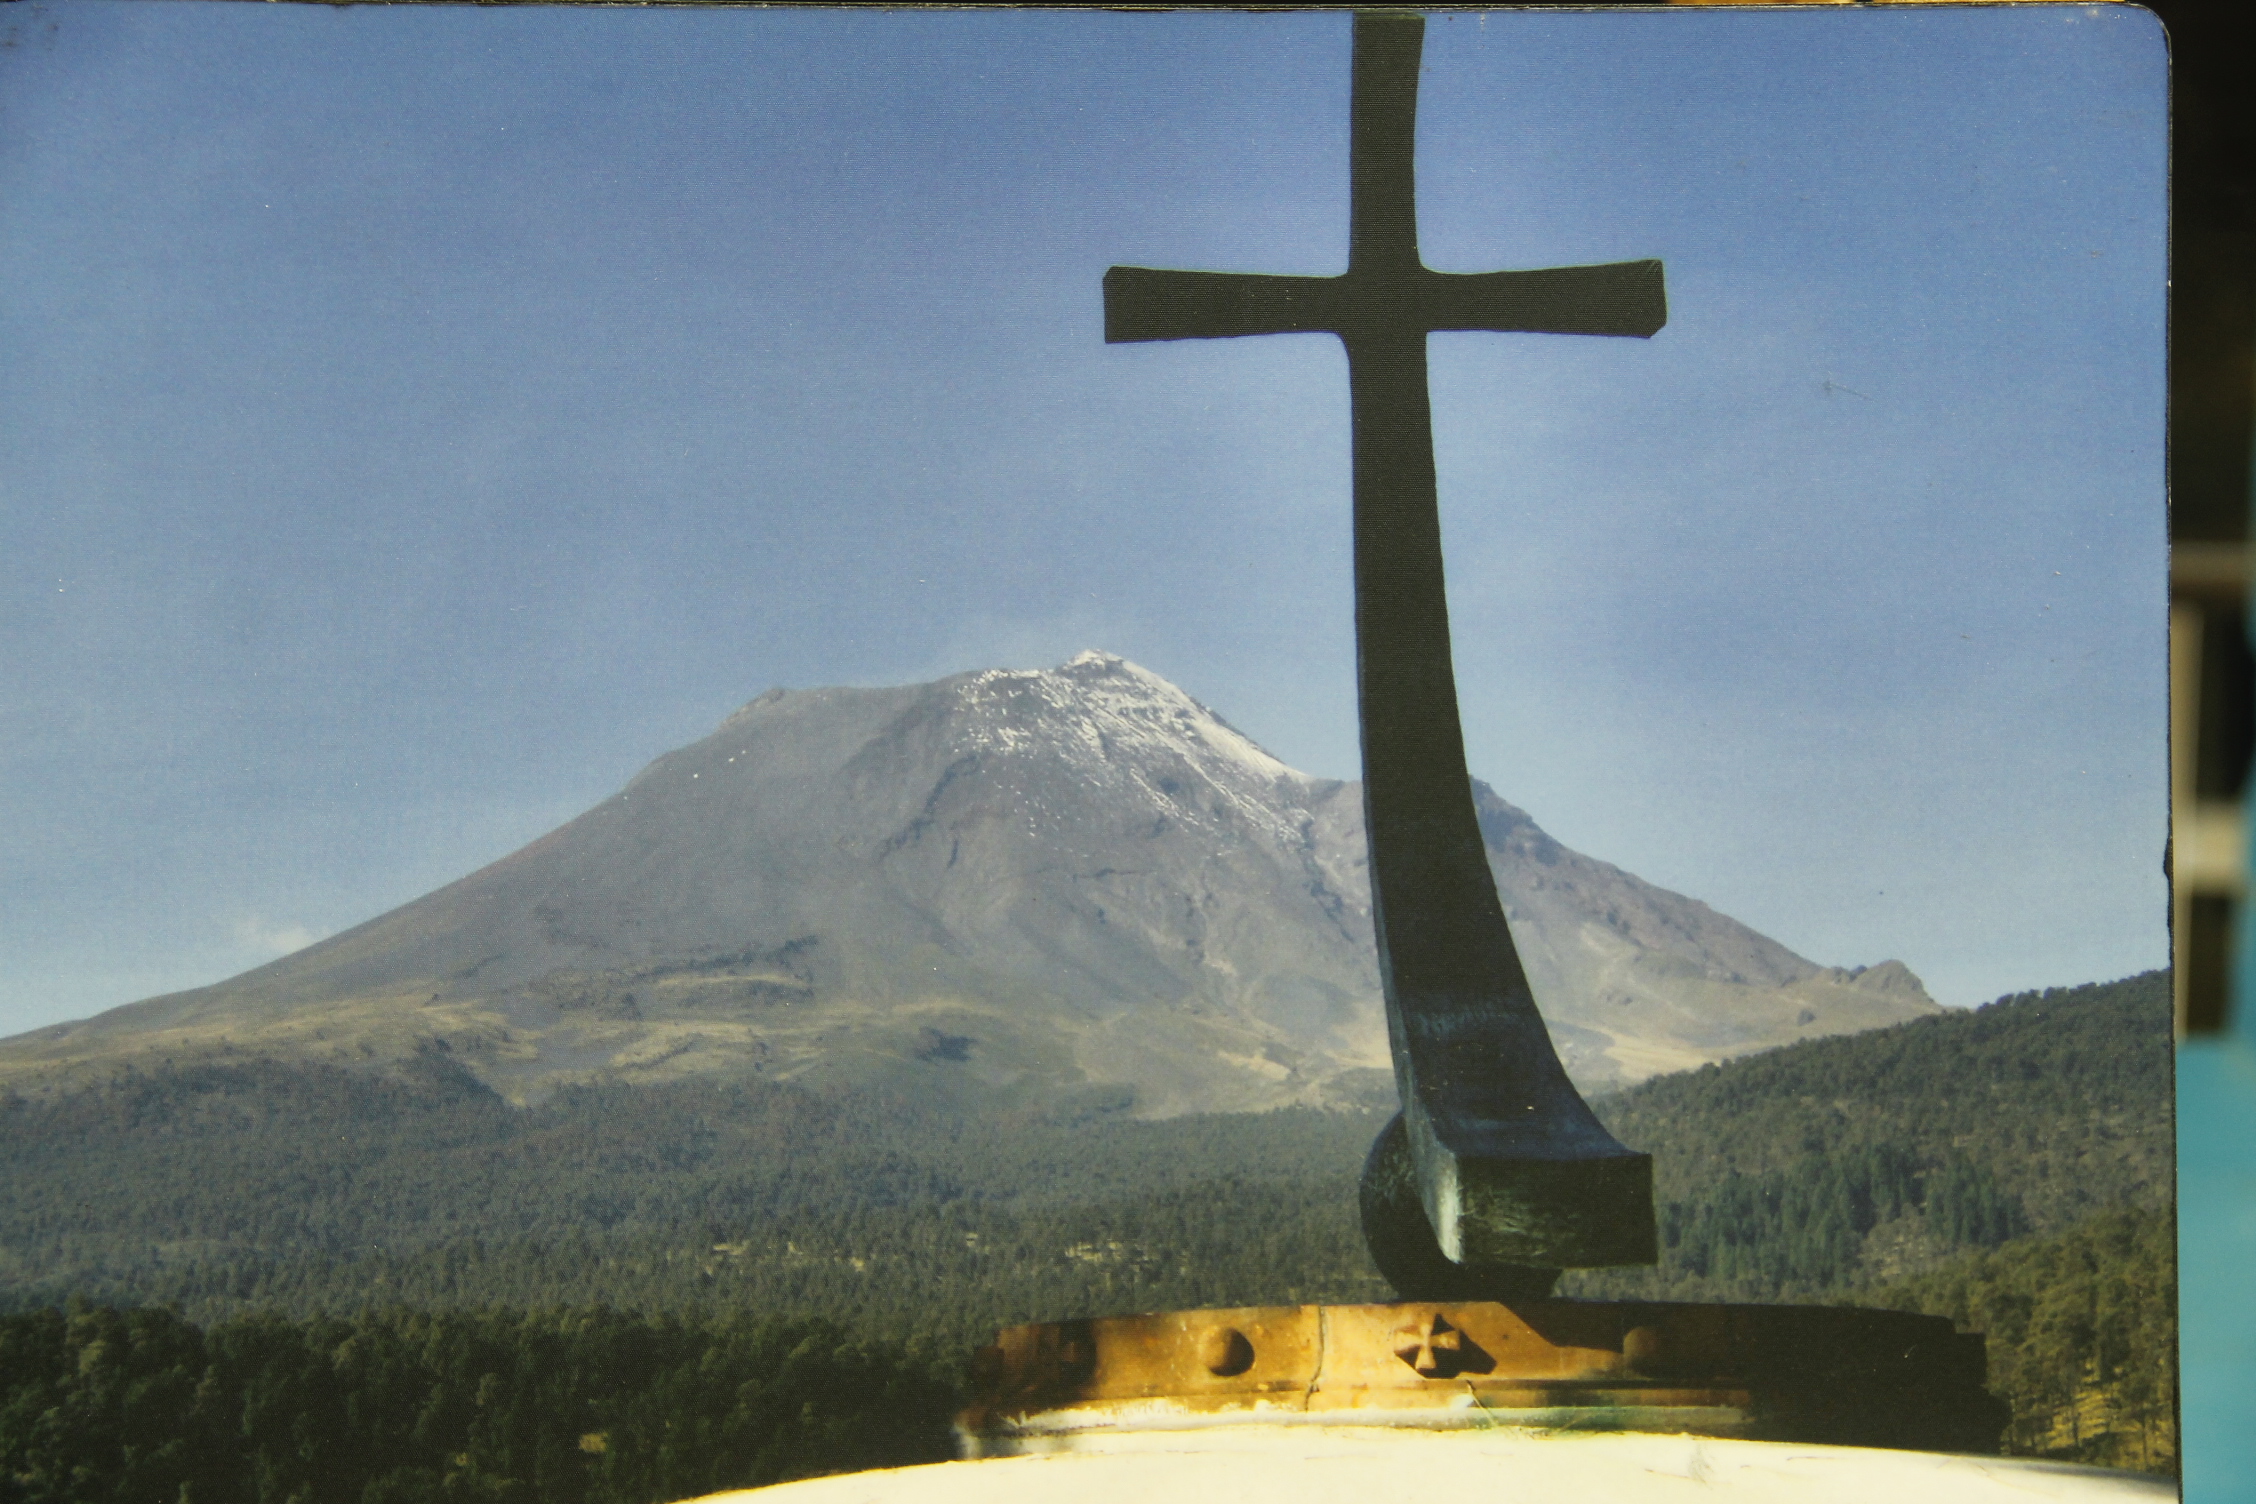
1821	1172
262	1159
564	1407
1802	1228
1848	1162
954	1273
194	1188
1838	1163
2081	1332
2064	1094
579	1406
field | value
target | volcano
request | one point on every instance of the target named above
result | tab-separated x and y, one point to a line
1009	885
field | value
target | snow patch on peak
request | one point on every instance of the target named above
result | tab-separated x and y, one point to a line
1118	724
1145	697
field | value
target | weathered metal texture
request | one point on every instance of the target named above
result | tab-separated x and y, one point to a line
1512	1170
1782	1373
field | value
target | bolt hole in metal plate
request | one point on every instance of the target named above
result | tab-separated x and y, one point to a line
1226	1352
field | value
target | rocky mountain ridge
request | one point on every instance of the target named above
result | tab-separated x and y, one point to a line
1009	885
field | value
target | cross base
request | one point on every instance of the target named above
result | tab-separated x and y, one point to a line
1810	1374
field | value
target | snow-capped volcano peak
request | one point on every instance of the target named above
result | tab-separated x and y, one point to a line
1122	729
1072	875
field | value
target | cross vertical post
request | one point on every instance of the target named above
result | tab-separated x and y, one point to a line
1496	1174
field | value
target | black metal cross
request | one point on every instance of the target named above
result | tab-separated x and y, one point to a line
1496	1174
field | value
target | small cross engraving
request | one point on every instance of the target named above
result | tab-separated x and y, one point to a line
1438	1350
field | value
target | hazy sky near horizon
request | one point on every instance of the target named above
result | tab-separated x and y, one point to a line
416	419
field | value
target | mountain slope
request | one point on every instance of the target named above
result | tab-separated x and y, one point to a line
1003	885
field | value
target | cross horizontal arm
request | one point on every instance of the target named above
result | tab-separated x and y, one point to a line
1621	297
1143	304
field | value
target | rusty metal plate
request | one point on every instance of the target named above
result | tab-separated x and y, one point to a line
1788	1373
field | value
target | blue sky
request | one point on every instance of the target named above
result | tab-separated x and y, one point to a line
416	419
